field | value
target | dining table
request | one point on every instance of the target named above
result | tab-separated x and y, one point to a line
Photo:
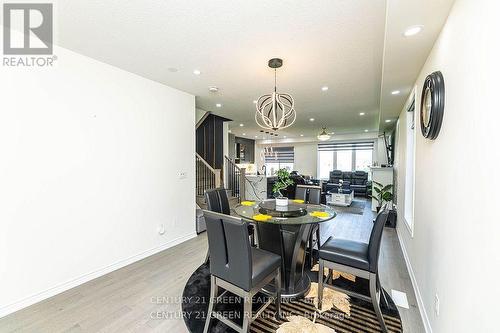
285	230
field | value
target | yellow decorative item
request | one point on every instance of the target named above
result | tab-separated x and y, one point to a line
298	201
319	214
248	203
261	217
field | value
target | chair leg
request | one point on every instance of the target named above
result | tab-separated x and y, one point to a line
317	237
213	295
277	301
320	283
383	299
311	251
207	258
376	301
247	313
318	243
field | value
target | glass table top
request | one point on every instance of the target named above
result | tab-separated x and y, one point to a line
295	213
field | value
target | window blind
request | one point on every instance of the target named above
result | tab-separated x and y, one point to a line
338	146
281	155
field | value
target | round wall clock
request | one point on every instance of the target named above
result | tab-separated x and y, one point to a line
432	105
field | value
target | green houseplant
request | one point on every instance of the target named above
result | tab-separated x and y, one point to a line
382	193
283	180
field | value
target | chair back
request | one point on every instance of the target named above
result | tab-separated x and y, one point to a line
217	201
359	178
376	239
347	176
309	193
229	248
301	192
224	201
212	200
314	195
335	176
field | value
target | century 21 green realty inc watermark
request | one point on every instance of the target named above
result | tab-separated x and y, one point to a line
28	35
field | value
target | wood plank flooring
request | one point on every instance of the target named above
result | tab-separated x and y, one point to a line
145	296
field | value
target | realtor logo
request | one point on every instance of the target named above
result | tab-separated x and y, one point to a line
35	23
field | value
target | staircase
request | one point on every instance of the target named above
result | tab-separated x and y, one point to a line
235	176
208	178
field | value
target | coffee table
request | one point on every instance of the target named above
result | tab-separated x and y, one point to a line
340	198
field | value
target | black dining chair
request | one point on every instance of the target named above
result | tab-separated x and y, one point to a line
237	267
357	258
311	195
217	201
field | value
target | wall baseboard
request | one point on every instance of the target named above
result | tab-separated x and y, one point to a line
23	303
420	302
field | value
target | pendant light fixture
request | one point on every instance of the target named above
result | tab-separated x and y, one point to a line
275	111
268	152
324	136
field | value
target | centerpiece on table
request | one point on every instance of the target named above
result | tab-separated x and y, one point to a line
282	182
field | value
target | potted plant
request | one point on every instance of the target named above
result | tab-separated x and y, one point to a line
383	193
282	182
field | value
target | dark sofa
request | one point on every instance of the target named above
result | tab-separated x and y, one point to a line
357	180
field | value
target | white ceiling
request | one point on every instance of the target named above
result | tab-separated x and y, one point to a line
337	43
405	56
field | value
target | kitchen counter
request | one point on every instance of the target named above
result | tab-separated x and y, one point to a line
255	187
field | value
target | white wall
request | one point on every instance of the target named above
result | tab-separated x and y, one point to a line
454	251
90	157
199	113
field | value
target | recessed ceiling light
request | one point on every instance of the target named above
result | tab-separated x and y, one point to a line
311	119
196	72
387	120
302	135
254	101
412	31
324	88
213	89
243	134
284	137
172	69
366	130
241	125
218	105
395	92
256	136
361	113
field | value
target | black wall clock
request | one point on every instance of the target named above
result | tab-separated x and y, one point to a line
432	105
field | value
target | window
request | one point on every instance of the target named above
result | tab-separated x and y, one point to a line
345	156
410	165
325	164
282	157
344	160
364	159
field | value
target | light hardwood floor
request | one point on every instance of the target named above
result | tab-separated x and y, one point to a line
145	296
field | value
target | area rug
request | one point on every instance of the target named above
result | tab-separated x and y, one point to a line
345	315
357	207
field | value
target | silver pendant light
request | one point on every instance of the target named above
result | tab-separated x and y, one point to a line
324	136
275	111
